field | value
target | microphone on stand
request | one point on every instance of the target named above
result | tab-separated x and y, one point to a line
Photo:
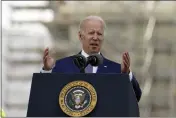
94	60
80	62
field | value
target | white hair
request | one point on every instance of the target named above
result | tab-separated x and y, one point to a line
91	18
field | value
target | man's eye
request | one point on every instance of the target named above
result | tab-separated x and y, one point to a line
91	32
99	33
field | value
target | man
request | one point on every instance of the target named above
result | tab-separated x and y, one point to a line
91	35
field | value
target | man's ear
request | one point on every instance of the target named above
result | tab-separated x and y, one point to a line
80	35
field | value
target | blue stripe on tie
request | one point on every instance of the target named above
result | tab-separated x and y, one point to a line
89	69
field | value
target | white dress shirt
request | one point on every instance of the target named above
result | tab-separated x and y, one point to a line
94	67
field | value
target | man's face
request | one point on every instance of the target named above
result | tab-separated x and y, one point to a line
92	36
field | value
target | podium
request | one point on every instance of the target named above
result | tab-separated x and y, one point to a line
113	95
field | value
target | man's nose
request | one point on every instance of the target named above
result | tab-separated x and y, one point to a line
95	36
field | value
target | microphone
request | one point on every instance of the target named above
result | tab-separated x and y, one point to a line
94	60
80	61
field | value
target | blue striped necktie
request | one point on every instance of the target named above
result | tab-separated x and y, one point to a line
89	69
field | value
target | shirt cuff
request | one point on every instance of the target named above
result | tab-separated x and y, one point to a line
45	71
130	76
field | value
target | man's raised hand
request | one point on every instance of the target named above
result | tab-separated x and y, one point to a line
125	65
48	61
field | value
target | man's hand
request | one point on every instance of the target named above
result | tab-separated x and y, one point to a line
125	65
48	61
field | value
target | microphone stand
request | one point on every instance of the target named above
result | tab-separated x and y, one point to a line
82	70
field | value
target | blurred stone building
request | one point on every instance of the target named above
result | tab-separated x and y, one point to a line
145	29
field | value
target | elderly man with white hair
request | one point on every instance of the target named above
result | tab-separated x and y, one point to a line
91	36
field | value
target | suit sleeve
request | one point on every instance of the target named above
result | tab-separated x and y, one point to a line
136	88
54	70
57	67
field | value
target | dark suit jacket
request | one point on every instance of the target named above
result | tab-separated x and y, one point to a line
66	65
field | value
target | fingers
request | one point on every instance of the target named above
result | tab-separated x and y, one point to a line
126	59
127	56
45	55
125	64
46	51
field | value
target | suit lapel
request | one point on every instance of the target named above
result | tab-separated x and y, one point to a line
74	68
103	67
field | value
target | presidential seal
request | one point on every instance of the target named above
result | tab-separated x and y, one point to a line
77	98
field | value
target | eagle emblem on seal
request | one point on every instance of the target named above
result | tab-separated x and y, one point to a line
78	99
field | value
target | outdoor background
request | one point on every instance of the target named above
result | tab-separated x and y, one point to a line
146	29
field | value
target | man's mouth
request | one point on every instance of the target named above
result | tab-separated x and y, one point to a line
94	44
